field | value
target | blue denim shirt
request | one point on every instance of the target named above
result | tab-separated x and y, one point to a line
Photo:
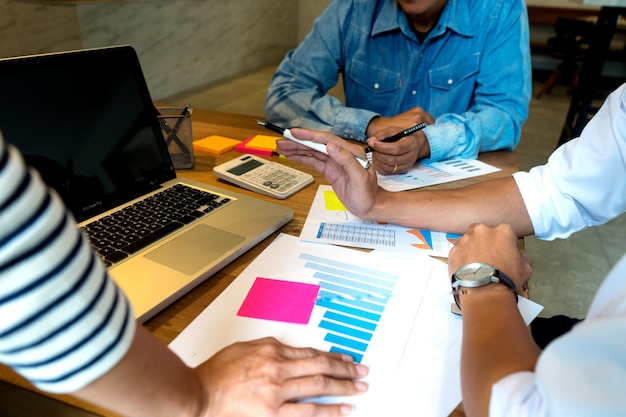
471	73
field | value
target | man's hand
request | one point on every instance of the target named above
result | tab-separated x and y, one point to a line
264	378
400	156
402	121
301	153
496	340
356	187
496	246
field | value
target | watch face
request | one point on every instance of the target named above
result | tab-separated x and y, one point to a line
474	274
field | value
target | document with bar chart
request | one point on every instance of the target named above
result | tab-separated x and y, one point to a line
424	174
322	296
329	221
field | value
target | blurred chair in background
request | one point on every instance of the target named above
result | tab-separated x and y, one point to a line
570	46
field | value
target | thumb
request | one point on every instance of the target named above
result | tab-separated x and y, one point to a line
345	159
332	148
341	155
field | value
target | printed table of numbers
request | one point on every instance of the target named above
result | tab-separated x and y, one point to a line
351	233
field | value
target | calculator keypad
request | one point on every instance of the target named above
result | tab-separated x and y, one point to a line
279	179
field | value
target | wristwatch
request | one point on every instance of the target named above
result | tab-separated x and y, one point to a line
478	274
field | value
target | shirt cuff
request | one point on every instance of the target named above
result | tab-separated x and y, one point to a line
516	395
445	141
352	123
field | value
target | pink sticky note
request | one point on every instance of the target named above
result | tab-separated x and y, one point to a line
273	299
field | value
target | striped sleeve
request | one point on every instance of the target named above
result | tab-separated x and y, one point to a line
63	322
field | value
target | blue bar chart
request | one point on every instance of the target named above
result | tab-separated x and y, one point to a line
353	299
325	297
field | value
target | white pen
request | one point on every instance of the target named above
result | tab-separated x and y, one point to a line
309	144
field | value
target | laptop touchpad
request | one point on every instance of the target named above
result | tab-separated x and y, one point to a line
195	249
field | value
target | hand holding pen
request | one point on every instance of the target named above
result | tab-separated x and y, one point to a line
403	155
320	147
395	138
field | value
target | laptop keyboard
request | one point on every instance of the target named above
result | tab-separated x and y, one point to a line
128	230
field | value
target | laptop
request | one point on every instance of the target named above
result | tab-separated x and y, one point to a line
85	120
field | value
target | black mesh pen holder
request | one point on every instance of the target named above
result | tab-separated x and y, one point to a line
175	124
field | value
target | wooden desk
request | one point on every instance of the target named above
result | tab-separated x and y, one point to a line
171	321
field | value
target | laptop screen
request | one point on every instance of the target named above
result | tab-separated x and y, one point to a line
86	122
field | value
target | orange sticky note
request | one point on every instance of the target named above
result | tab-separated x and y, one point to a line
263	142
258	145
216	144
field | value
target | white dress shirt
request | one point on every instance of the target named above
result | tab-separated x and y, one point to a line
582	373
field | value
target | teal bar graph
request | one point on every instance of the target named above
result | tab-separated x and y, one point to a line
354	299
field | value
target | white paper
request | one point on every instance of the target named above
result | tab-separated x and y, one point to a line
414	354
428	382
329	221
610	3
424	174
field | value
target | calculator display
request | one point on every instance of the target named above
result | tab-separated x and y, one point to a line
245	167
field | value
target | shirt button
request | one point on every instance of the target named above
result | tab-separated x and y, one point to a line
450	81
376	86
413	92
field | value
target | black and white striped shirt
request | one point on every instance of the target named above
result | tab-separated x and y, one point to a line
63	322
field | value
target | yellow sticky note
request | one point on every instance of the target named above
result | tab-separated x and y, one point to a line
216	144
332	202
263	142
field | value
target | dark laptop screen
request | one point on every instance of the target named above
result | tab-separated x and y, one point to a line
85	120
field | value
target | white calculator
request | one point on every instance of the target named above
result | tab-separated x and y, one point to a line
263	176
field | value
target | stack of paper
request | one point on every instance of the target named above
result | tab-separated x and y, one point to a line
389	310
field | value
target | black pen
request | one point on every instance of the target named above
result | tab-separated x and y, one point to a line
310	144
181	119
396	137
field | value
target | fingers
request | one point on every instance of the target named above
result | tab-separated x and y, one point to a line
297	363
290	148
264	378
326	138
313	409
310	362
418	115
297	389
314	135
394	158
426	117
344	158
497	246
301	153
400	121
400	156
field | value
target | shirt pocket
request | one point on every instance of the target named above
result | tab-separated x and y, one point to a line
449	76
374	79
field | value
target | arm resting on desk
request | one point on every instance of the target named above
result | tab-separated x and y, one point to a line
258	378
496	340
491	202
